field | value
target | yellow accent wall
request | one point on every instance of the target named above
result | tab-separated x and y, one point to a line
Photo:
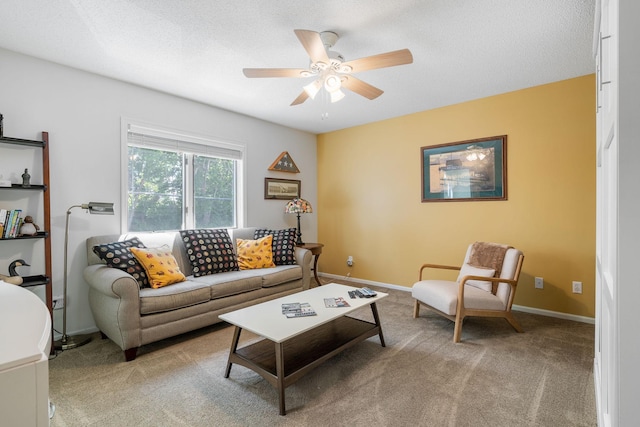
369	194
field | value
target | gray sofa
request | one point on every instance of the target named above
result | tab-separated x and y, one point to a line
132	317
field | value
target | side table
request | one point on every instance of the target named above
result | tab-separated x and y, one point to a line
316	250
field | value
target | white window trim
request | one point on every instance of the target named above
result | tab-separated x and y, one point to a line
190	139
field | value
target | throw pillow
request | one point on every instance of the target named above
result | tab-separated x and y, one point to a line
283	246
209	250
469	270
255	253
117	255
160	265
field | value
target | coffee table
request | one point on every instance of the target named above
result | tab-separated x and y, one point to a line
291	347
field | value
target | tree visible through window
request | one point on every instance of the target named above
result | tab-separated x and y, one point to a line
173	188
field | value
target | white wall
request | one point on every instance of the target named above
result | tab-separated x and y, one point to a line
82	111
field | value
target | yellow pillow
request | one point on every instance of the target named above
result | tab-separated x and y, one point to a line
161	266
255	253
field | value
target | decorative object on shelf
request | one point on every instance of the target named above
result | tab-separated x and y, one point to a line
28	227
298	206
283	189
1	126
14	278
26	178
67	342
284	163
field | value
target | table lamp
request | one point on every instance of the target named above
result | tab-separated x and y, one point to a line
298	206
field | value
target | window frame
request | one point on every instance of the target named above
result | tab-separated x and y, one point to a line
207	147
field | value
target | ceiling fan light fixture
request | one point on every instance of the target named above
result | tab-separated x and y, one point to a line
332	83
313	88
336	95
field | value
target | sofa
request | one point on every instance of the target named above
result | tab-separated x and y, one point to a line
132	316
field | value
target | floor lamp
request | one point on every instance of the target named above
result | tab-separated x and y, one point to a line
67	342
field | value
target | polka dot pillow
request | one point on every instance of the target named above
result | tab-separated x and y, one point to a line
210	251
118	255
283	245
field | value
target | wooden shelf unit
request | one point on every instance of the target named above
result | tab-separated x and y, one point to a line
44	279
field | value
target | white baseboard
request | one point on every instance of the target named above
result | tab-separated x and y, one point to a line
532	310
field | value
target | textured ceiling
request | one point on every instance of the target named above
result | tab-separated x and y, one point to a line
462	49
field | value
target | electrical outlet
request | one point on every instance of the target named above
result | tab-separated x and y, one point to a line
577	287
539	283
350	261
58	302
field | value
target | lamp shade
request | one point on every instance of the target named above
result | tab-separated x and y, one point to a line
99	208
298	206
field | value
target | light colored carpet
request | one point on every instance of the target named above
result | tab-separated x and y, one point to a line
495	377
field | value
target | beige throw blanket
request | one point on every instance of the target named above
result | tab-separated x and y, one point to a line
488	255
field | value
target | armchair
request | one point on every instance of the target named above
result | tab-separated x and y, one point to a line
485	287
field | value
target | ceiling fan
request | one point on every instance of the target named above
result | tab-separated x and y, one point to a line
332	72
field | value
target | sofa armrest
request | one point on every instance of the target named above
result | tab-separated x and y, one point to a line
303	259
114	298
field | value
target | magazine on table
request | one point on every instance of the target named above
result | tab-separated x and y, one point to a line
298	309
336	302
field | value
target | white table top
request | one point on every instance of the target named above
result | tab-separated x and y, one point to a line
25	327
266	319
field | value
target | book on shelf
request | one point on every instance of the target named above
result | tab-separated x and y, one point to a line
3	216
10	221
298	309
336	302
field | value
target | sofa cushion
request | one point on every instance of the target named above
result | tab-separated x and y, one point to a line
117	255
160	265
179	295
209	250
230	282
469	270
283	246
281	274
255	253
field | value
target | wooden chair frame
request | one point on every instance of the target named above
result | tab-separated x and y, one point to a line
462	311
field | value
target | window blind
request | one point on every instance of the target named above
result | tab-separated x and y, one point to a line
169	141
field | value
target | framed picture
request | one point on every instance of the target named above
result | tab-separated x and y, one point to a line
465	171
282	189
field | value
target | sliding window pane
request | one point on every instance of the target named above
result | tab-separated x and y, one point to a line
155	184
214	192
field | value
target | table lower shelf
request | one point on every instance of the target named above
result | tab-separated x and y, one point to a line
303	352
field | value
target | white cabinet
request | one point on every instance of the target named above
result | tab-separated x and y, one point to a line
25	337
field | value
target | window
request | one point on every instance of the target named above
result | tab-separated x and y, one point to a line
176	181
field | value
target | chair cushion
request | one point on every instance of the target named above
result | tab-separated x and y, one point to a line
469	270
443	295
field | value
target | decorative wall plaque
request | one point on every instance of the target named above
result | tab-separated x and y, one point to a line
284	163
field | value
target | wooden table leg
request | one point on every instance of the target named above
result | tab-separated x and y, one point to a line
234	346
374	310
280	376
315	269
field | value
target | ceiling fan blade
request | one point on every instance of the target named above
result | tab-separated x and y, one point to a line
361	88
383	60
312	43
300	99
276	72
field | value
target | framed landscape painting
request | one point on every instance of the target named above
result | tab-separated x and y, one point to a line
465	171
283	189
